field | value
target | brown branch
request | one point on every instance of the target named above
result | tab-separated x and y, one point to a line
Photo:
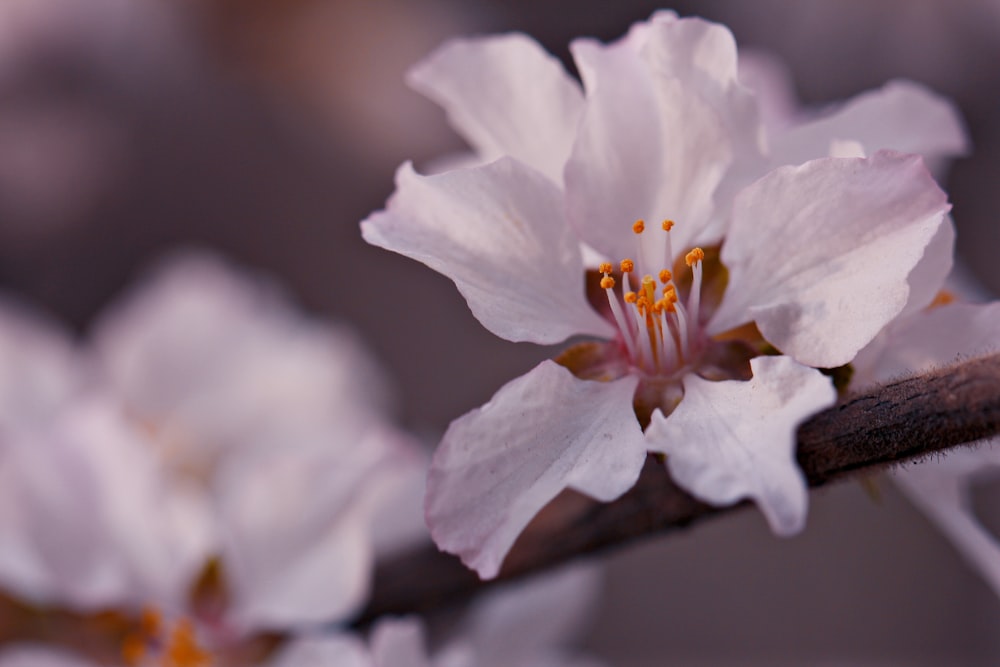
894	422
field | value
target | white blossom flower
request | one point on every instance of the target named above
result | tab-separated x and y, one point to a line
809	260
209	438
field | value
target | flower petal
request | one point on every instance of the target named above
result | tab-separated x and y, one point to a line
506	96
664	119
498	231
928	277
940	488
902	115
731	440
819	255
399	642
928	340
541	433
329	650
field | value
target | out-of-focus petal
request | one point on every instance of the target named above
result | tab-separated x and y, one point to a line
940	488
541	433
95	510
42	370
506	96
212	359
499	232
399	642
330	650
297	541
545	613
929	340
819	255
902	116
663	122
40	655
731	440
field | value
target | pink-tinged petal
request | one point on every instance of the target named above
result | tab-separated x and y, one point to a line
928	340
506	96
328	650
771	81
399	642
819	256
541	433
103	523
664	120
902	116
499	232
731	440
941	489
546	613
928	277
40	655
296	536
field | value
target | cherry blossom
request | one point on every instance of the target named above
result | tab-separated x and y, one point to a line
712	262
209	455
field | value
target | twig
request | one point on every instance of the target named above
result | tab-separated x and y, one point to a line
900	420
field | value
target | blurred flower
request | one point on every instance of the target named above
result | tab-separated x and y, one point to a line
814	261
211	455
528	624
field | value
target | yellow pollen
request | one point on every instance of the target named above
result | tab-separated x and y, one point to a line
627	265
668	225
605	267
639	226
607	282
670	293
695	255
631	297
665	276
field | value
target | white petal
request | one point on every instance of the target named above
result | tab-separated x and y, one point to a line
104	524
541	433
506	96
902	116
544	612
499	232
928	277
731	440
940	488
215	359
399	643
333	650
40	655
819	256
663	122
297	542
929	340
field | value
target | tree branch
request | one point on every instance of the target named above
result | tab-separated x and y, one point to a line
900	420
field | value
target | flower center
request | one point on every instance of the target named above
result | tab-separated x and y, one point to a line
659	330
158	644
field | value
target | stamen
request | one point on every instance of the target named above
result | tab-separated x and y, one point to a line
630	297
696	255
667	225
183	649
607	282
639	226
694	260
665	276
605	268
627	265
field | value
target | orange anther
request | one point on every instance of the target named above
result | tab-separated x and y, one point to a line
639	226
627	265
695	255
605	267
668	225
665	276
607	282
631	297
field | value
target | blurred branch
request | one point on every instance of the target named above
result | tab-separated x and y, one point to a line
894	422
